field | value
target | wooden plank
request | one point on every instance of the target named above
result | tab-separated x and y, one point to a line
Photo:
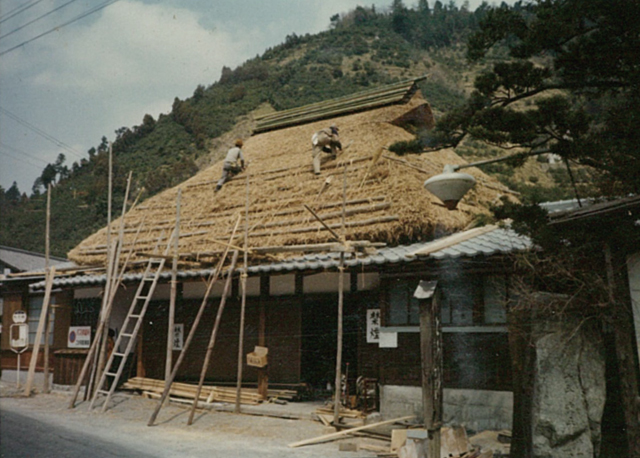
346	432
453	240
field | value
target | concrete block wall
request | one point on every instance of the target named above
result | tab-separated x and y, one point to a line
476	410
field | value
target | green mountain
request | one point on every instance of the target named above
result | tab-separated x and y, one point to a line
361	50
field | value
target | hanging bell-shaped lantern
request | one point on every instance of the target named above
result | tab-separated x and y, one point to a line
450	186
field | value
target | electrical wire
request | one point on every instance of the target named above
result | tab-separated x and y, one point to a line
42	133
16	150
36	19
58	27
21	8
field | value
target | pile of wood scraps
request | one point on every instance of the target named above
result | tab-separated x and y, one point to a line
208	394
407	441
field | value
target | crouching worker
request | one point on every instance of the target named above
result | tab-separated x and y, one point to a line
325	140
233	164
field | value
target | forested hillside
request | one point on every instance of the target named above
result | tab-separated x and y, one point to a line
362	49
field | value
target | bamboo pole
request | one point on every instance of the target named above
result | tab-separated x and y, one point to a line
45	370
174	290
102	358
212	280
364	222
325	225
243	304
338	386
92	350
89	360
36	344
214	333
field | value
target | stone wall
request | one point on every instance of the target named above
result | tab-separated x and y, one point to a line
569	389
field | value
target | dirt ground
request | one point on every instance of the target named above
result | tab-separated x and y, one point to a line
214	433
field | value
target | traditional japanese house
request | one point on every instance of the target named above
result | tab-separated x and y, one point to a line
369	196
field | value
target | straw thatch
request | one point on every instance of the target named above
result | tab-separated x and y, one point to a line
385	198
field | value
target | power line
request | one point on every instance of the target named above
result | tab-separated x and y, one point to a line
16	150
40	132
21	159
36	19
55	29
21	8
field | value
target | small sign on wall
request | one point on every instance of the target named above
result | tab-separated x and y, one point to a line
178	336
373	325
79	337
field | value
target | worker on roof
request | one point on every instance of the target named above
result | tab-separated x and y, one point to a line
233	163
325	140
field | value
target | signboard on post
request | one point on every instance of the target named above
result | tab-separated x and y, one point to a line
79	337
19	336
19	316
19	339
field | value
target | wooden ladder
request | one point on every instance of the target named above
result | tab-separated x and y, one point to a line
130	328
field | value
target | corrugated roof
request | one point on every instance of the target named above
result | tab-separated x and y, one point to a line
26	261
366	100
492	240
623	205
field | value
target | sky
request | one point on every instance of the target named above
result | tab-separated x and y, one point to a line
73	71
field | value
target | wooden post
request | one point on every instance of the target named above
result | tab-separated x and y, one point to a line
431	352
214	333
36	344
174	291
243	286
45	370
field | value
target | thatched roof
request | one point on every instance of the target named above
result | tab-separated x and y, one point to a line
385	198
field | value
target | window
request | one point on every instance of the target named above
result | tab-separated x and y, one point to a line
402	309
469	300
495	299
33	318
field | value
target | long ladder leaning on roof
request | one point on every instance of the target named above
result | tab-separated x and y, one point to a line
130	328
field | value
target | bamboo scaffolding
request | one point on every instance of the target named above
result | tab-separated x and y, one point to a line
212	280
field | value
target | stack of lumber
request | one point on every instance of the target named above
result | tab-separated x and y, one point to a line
208	394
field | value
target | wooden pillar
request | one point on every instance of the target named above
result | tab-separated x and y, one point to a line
522	364
263	374
625	345
431	352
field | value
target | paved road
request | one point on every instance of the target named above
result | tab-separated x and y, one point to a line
26	437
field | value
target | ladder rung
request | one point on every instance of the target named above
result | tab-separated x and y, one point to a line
142	297
111	374
126	334
134	316
115	353
102	392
